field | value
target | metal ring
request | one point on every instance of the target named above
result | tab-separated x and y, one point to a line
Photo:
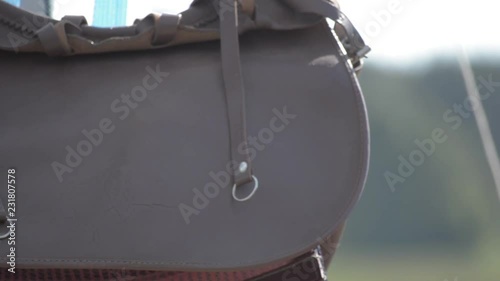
255	187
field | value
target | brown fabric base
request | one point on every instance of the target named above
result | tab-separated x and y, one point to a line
128	275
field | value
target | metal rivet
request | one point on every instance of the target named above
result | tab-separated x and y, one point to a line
243	167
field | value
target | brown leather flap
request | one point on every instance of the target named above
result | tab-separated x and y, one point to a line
135	201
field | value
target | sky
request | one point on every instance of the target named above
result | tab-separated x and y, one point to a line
397	30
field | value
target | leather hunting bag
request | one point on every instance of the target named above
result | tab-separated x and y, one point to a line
232	136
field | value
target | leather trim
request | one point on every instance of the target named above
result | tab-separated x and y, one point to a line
235	94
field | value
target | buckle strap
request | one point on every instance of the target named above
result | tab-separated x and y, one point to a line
350	37
235	94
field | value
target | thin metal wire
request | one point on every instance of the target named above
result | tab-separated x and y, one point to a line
481	118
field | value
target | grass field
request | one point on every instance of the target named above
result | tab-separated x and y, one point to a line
415	267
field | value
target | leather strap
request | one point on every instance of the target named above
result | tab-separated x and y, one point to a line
165	28
235	92
76	20
54	36
352	41
232	73
54	40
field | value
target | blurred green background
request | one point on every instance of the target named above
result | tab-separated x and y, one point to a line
443	222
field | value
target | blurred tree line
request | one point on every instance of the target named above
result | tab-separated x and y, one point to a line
449	203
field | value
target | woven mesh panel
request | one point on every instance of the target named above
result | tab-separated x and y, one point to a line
126	275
